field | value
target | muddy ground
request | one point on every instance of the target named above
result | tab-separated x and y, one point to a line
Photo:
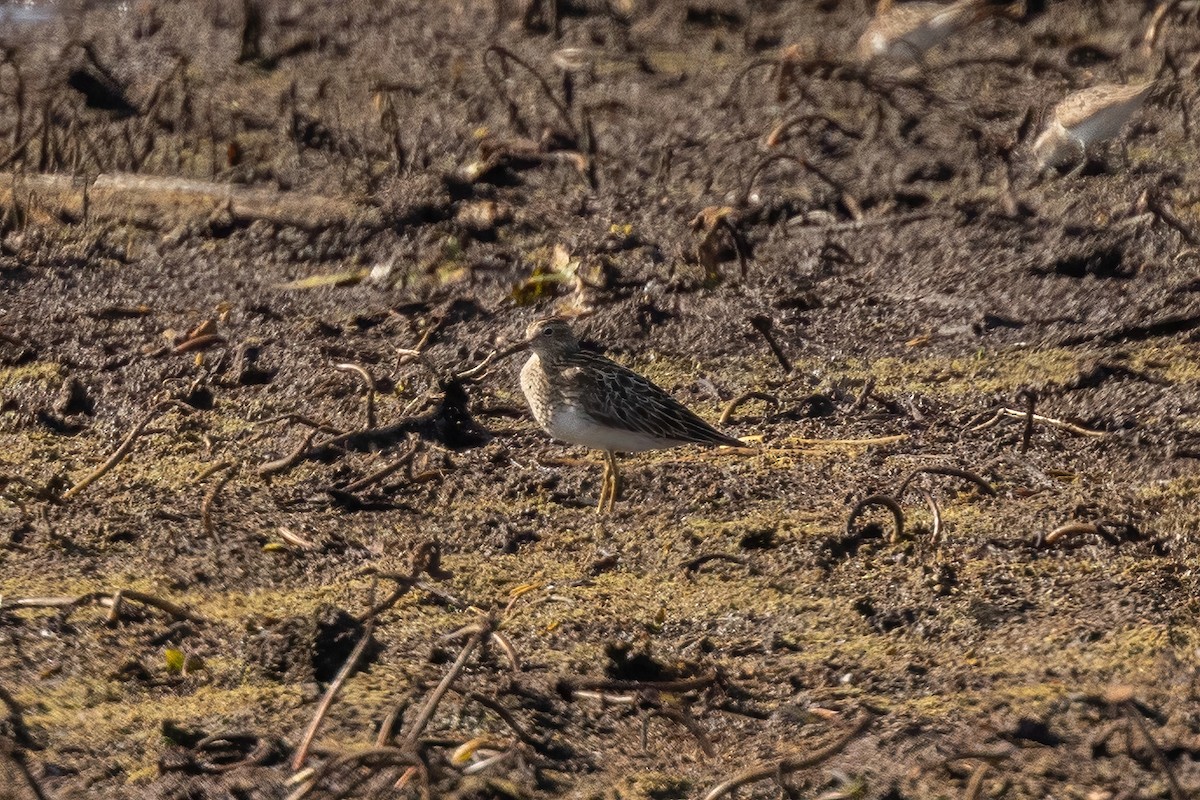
371	177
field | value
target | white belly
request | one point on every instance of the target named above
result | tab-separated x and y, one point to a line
1107	123
570	426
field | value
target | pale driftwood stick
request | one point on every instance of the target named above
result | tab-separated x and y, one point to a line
1070	427
166	202
108	599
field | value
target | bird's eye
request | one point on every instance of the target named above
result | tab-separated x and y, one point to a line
547	331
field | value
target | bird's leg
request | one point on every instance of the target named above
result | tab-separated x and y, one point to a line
604	484
610	484
614	477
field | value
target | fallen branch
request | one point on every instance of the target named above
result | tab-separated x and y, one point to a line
106	599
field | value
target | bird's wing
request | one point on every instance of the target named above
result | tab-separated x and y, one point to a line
1078	108
620	398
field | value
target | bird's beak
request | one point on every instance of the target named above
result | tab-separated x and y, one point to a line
516	347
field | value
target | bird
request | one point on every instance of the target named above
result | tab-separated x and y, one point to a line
1087	117
907	30
581	397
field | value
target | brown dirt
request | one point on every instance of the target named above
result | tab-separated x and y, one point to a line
446	207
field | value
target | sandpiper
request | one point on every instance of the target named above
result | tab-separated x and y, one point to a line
1087	117
581	397
905	31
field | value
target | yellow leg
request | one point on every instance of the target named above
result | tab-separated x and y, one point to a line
610	484
603	490
614	480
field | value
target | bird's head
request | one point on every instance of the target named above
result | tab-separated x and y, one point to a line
551	338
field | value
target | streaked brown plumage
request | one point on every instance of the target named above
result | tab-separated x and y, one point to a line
584	398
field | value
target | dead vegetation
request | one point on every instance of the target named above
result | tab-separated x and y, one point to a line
274	525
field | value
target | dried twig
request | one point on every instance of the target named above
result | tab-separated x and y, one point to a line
290	460
496	80
511	652
1152	29
507	717
125	446
886	501
1100	528
688	722
369	381
975	785
258	750
604	697
375	757
106	599
1163	210
936	511
1030	404
404	583
737	402
1070	427
383	472
331	693
765	327
1160	760
775	137
210	498
790	765
301	419
955	472
479	632
694	564
607	685
210	470
387	729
